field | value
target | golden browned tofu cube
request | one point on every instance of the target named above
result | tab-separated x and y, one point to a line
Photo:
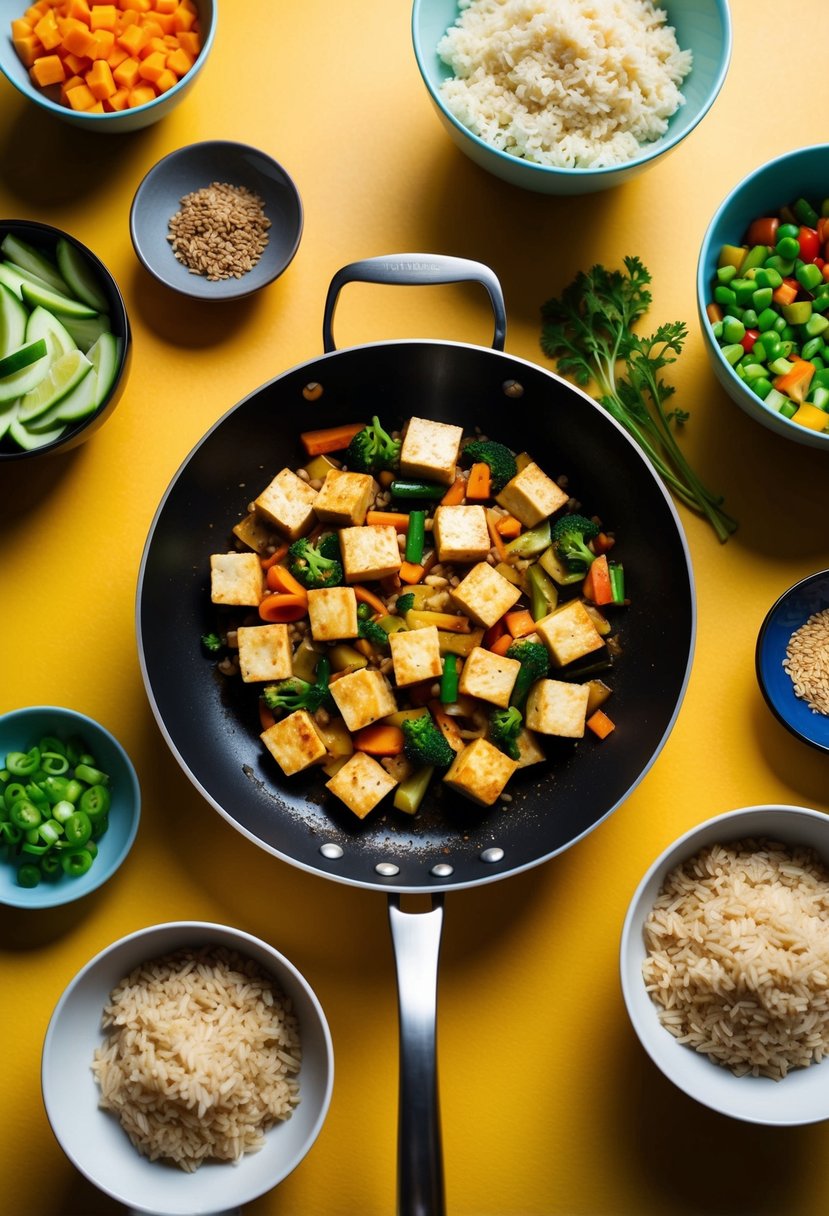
430	450
294	743
264	652
529	749
361	783
460	534
416	655
485	595
345	498
236	578
288	504
480	772
369	553
556	707
363	697
256	533
569	633
332	612
531	496
489	676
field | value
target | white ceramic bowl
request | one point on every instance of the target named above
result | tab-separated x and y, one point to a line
94	1140
803	1095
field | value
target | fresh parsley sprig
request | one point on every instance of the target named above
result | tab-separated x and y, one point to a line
589	332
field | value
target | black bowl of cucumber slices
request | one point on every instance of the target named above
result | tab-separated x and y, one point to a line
65	341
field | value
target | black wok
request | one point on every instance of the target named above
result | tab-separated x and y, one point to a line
212	728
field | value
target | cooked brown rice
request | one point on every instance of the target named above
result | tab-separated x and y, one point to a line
738	956
807	662
201	1057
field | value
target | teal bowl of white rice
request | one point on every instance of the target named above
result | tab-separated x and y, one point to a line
570	96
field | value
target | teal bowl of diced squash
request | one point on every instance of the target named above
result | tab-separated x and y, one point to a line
65	341
70	805
763	295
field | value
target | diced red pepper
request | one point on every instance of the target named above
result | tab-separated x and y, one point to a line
809	242
819	262
748	340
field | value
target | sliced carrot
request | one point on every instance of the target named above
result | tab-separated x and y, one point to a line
379	739
479	483
412	573
502	644
786	293
600	724
508	527
283	608
456	493
390	519
279	578
714	312
519	623
597	586
495	535
329	438
795	383
364	596
272	558
494	632
267	718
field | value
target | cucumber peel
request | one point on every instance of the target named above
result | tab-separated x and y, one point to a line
23	357
79	278
13	320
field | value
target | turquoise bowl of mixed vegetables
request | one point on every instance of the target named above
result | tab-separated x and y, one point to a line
70	805
763	295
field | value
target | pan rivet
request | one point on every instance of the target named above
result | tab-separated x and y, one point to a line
332	851
512	388
387	869
312	391
493	854
442	870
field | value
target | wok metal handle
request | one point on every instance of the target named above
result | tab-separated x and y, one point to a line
416	940
412	269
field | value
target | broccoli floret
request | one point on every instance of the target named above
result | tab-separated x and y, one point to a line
535	664
372	449
329	546
211	642
312	567
369	629
501	462
294	693
405	602
570	535
425	743
504	729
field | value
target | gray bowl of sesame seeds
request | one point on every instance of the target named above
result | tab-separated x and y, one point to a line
792	659
216	220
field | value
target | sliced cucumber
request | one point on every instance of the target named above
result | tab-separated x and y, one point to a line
28	440
105	356
77	404
13	320
42	322
86	330
29	377
23	357
34	295
8	413
79	276
66	372
14	278
27	258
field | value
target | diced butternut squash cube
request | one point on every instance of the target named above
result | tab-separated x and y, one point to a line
166	80
103	17
46	70
118	100
126	74
79	9
21	28
99	80
180	62
116	56
71	82
190	42
152	66
166	6
140	96
80	41
104	43
132	39
28	48
183	19
80	98
47	31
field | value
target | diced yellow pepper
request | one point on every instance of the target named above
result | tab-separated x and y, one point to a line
732	255
810	416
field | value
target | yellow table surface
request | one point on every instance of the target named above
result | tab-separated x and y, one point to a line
549	1104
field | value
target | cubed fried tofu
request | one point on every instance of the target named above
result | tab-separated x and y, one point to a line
332	612
480	772
363	697
529	749
345	497
416	655
488	676
430	450
460	534
531	496
557	707
264	652
294	743
569	633
485	595
256	533
236	578
361	783
288	503
369	553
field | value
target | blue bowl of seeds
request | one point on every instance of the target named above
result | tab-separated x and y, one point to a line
792	659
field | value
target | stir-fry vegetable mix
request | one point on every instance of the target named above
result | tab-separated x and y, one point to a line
769	311
416	606
589	332
54	805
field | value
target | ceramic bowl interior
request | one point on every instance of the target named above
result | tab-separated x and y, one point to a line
19	730
788	613
803	1095
93	1138
117	122
158	199
802	172
703	26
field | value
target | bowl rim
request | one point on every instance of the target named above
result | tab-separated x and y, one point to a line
81	117
679	849
60	896
649	153
751	403
762	637
237	147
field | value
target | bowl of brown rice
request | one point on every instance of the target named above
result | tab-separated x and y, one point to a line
792	659
216	220
725	964
187	1068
